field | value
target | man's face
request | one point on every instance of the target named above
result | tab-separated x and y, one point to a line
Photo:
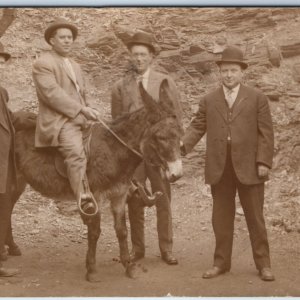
62	41
141	57
231	74
2	61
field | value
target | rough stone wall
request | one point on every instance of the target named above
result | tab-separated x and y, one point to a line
189	40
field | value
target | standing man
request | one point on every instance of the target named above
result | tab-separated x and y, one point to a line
126	98
8	180
64	111
239	155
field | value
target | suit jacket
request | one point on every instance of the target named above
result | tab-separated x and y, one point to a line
252	139
58	98
6	139
125	96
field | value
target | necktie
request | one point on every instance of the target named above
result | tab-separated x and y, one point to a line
71	72
229	98
139	79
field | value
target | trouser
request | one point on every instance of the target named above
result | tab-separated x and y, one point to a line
252	201
72	149
163	211
6	207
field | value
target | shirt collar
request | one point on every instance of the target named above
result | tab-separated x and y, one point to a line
146	74
235	90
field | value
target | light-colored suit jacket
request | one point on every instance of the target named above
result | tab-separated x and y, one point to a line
58	98
125	96
252	138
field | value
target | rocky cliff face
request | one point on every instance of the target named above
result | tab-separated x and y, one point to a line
189	40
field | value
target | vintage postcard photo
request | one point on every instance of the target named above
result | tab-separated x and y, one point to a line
149	151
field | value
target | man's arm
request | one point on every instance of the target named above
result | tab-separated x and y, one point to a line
116	102
265	145
51	92
196	129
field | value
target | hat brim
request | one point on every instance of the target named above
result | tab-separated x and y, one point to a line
51	28
151	47
241	63
6	56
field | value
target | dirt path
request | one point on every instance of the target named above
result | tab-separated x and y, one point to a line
53	242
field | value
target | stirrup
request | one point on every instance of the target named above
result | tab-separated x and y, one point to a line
87	205
148	199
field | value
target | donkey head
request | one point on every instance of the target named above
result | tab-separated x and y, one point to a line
160	144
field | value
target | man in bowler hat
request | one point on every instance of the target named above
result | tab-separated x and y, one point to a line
126	98
239	153
64	111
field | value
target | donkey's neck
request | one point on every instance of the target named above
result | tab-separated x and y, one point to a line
131	127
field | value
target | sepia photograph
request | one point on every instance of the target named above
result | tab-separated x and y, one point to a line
149	151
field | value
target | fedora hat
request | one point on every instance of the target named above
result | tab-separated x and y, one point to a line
60	23
232	55
4	54
141	38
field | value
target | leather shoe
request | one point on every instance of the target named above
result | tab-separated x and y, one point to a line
5	272
14	250
266	274
135	256
213	272
169	258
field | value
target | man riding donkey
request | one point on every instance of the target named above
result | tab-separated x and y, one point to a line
65	114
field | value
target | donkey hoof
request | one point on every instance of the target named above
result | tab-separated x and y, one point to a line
93	277
131	271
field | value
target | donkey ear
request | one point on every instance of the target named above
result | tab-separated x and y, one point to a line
165	97
150	104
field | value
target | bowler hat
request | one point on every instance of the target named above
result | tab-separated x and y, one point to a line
4	54
232	55
60	23
141	38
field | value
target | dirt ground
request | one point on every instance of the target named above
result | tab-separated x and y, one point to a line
53	241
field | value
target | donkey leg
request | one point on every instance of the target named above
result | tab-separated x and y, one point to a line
94	231
118	210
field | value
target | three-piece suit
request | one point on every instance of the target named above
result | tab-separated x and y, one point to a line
238	140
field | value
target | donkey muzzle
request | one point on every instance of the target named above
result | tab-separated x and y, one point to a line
174	170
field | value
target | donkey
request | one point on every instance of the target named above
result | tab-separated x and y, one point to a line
154	131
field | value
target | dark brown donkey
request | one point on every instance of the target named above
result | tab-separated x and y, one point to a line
154	131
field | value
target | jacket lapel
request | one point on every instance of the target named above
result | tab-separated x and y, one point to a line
240	102
220	103
152	87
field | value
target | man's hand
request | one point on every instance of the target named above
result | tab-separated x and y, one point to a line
263	171
90	113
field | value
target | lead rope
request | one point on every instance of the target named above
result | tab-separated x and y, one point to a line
119	139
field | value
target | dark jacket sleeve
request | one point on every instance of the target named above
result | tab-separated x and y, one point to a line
196	129
265	146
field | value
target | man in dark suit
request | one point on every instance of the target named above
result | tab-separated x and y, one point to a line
239	154
64	111
7	177
126	98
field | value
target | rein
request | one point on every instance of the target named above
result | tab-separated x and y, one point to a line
119	139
